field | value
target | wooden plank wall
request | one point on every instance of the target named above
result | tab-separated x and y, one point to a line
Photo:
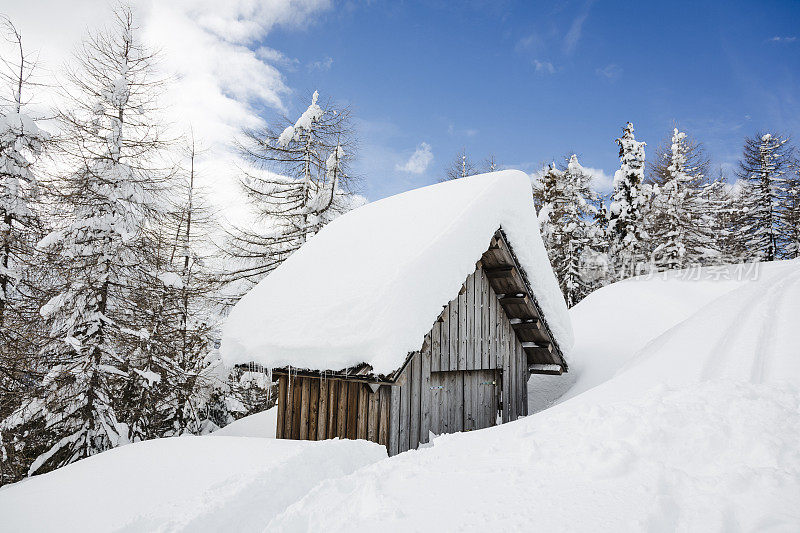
313	408
473	334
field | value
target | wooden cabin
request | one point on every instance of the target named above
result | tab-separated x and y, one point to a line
471	371
410	316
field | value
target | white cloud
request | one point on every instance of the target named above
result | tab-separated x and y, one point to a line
600	180
611	71
576	29
778	39
419	160
544	66
221	77
323	64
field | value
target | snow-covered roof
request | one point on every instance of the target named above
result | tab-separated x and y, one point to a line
370	284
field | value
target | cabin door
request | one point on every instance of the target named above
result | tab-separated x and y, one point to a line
464	400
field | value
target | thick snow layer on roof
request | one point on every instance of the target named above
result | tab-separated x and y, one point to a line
369	286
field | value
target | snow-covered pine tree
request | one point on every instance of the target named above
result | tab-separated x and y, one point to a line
567	208
111	146
678	206
545	199
766	159
299	180
722	217
791	234
21	143
627	211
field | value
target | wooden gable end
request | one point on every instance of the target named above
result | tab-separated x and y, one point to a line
509	282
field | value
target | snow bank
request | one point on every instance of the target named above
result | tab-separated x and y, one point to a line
180	484
715	457
369	286
261	425
613	323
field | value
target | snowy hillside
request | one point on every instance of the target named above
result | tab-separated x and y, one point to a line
683	414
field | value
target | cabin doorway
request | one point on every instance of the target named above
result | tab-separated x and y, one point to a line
464	400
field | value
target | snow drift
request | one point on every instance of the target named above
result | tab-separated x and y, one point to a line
369	286
218	483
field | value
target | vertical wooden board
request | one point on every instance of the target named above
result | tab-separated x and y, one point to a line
469	353
524	376
496	310
520	395
374	410
385	400
297	407
405	408
448	400
436	345
506	374
514	393
463	335
444	340
454	339
281	407
416	402
496	390
341	415
458	387
485	329
469	408
523	399
322	416
363	411
476	323
333	408
518	376
304	408
394	421
492	328
287	422
476	406
425	397
514	381
433	416
480	406
440	421
352	409
313	409
491	399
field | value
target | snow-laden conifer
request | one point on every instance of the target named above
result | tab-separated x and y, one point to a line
100	317
628	208
297	180
567	207
766	160
679	206
22	143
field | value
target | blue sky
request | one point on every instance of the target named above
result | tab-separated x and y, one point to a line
531	81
